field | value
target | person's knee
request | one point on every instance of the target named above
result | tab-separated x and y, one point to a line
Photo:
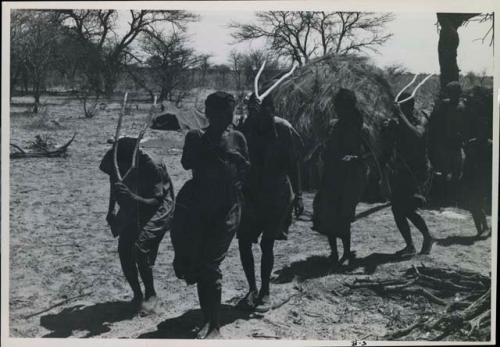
267	245
210	275
142	260
125	247
245	246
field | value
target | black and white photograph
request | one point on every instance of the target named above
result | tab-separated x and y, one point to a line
251	172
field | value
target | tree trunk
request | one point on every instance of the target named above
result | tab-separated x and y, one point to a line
448	45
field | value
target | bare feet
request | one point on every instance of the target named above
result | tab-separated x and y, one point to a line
208	333
407	252
149	306
249	301
203	332
136	301
264	303
349	256
427	245
214	334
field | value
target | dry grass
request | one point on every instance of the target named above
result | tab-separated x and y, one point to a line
306	99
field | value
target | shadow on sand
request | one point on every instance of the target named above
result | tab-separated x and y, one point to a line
184	326
461	240
318	266
93	319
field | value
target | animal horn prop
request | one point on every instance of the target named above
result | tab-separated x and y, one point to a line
151	116
270	89
414	90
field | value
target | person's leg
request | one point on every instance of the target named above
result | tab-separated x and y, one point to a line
146	273
346	241
210	292
126	251
404	229
480	220
334	255
202	297
247	261
267	263
420	224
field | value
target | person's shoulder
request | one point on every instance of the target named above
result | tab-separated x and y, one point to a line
281	122
107	162
283	126
235	133
461	105
194	134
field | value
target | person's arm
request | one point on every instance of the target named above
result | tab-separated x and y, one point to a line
189	158
124	192
416	131
112	202
295	170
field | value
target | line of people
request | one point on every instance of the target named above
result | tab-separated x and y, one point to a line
246	183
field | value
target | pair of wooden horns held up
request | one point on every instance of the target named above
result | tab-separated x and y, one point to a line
414	90
261	97
147	123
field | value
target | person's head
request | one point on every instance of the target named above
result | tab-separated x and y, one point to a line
125	151
345	105
261	113
408	106
260	109
219	108
453	91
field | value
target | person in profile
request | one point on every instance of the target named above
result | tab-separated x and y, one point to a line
406	161
145	200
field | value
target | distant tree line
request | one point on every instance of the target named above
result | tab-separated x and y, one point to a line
93	52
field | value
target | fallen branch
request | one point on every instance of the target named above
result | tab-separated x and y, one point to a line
57	152
472	316
425	293
58	304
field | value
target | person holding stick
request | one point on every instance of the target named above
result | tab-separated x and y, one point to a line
273	192
143	191
406	162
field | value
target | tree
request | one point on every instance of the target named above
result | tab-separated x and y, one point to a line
236	63
169	59
96	29
204	65
301	35
253	60
449	41
35	37
222	70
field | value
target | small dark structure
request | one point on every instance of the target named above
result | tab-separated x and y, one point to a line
166	121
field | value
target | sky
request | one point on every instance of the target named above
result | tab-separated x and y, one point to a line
413	44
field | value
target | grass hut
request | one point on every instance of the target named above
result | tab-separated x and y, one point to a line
306	100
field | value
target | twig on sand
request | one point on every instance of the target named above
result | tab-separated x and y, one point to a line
278	305
58	304
264	336
56	152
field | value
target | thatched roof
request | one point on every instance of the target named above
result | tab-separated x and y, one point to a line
306	98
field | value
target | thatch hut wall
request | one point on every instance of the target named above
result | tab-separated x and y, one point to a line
306	100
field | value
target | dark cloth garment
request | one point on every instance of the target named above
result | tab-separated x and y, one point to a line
208	207
269	195
477	174
446	126
144	225
408	165
343	182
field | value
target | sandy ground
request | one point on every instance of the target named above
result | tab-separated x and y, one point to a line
65	277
